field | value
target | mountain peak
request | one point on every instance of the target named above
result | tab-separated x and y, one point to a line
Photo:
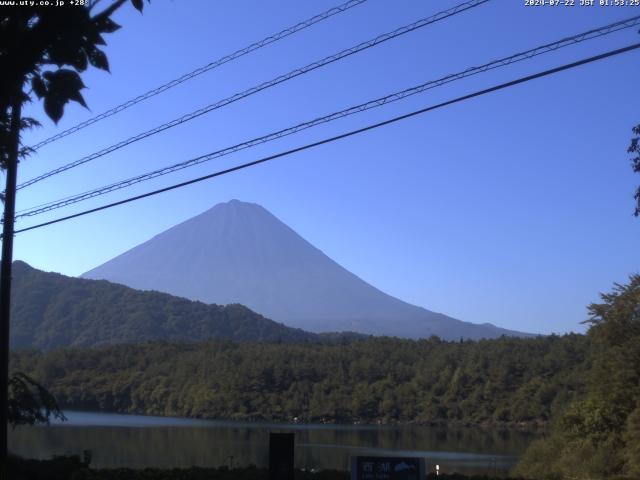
235	203
234	210
238	252
22	266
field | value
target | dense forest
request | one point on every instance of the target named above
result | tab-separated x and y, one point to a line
585	388
598	434
502	381
51	310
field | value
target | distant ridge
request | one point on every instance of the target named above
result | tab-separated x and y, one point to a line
50	310
238	252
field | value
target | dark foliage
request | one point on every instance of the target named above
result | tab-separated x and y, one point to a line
502	381
52	310
634	149
598	436
30	403
37	42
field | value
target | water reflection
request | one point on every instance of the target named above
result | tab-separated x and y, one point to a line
137	441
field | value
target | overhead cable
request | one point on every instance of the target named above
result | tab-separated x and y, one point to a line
200	70
258	88
343	135
549	47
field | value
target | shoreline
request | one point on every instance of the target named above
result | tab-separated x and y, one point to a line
297	422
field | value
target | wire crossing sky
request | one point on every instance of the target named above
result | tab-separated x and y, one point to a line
442	15
203	69
514	208
549	47
341	136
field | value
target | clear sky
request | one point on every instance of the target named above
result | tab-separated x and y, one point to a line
514	208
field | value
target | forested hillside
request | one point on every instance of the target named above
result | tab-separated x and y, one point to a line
598	435
51	310
506	380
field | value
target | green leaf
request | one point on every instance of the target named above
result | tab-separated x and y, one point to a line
38	86
64	80
94	37
80	61
54	108
98	59
77	97
106	25
29	123
62	86
29	402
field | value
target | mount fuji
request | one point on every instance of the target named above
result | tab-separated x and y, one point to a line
238	252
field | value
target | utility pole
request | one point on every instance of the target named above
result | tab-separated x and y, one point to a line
5	274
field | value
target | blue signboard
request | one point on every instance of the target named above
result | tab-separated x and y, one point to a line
387	468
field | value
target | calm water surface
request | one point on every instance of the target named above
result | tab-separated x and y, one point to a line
141	441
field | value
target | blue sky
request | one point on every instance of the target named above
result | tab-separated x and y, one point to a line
514	208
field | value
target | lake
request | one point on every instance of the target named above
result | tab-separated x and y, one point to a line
143	441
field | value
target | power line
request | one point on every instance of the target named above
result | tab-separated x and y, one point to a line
549	47
344	135
205	68
258	88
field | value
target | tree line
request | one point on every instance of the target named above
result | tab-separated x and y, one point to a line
376	380
598	434
584	388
